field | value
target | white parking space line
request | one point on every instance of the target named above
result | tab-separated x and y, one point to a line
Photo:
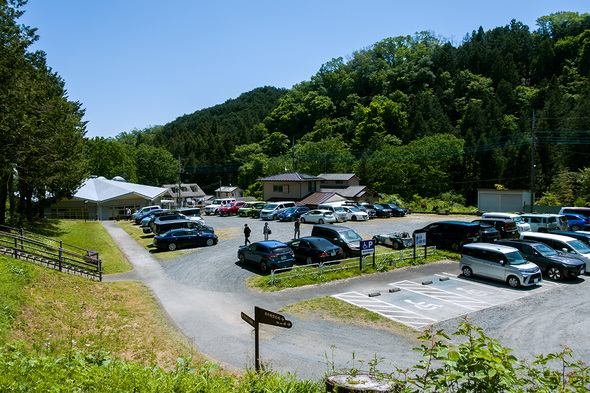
460	300
388	310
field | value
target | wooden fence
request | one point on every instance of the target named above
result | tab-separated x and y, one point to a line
51	253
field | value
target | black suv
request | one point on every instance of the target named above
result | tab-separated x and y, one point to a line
551	263
346	238
380	211
450	234
159	227
506	227
395	210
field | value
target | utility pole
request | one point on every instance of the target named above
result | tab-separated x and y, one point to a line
179	182
532	203
293	154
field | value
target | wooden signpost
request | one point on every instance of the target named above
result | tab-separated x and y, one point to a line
269	318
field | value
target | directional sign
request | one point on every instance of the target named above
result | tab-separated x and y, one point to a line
367	247
420	239
271	318
246	318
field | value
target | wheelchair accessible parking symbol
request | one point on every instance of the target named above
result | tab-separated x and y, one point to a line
367	247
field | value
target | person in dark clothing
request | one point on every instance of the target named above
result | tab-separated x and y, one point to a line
297	227
247	232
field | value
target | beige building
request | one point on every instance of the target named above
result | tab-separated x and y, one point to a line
290	186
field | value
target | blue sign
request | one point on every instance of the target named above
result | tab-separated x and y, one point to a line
367	247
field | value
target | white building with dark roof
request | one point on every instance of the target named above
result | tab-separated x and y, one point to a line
102	199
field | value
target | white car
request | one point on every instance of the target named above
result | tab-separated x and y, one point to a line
318	216
355	214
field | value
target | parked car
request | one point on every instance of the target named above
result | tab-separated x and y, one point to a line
551	263
506	227
450	234
216	204
271	210
292	213
355	214
370	211
268	255
397	240
144	210
569	245
585	211
149	217
163	226
315	250
582	236
577	222
500	263
541	222
255	213
396	211
190	211
318	216
246	209
338	211
562	223
348	239
170	216
488	234
380	211
140	216
230	209
521	225
184	238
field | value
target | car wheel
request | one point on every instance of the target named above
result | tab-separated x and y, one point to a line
302	219
320	221
514	282
242	258
309	260
467	272
172	246
555	273
210	242
263	267
397	246
575	228
354	218
376	240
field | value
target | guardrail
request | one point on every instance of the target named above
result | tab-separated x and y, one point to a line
349	263
32	247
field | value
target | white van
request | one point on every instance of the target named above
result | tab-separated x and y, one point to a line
339	212
541	222
520	223
573	247
145	209
271	210
216	204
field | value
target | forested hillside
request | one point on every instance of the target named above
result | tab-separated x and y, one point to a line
410	115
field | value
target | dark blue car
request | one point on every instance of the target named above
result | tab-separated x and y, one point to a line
292	213
268	255
184	238
315	250
577	222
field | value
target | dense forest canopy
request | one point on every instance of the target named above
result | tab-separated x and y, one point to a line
410	115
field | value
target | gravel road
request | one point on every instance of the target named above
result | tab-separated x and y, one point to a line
204	293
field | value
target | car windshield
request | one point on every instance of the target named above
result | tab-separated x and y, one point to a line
515	258
351	236
289	210
216	202
545	250
579	246
271	206
378	207
339	209
280	250
321	244
518	219
354	209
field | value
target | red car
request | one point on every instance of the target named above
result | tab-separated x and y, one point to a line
231	208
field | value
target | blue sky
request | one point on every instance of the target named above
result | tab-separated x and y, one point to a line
138	63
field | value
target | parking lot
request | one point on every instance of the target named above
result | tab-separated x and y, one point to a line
205	291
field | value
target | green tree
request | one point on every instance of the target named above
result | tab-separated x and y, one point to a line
155	166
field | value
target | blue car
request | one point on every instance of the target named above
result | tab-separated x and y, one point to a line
577	222
268	255
184	238
292	213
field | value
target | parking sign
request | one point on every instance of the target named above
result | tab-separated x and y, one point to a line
367	247
420	239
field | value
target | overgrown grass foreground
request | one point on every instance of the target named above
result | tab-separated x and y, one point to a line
385	260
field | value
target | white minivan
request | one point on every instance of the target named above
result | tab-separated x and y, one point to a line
541	222
271	210
520	223
502	263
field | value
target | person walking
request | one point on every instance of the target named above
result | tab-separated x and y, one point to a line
247	232
297	226
266	231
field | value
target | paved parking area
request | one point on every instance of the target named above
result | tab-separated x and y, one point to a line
428	300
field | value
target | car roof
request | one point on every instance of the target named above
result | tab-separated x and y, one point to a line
542	235
333	228
271	243
490	246
465	223
519	241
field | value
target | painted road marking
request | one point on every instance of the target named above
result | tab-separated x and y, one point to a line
388	310
441	294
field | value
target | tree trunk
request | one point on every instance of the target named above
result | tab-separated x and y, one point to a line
4	179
